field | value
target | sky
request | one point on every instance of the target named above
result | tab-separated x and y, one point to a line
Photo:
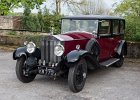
48	4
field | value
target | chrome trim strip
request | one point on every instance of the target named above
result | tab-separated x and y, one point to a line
55	43
51	52
46	51
77	32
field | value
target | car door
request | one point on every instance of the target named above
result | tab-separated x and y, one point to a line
104	35
117	35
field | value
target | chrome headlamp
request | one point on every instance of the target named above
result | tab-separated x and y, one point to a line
59	50
31	47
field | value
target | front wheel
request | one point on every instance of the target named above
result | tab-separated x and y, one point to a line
77	76
20	69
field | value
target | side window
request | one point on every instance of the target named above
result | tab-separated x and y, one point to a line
115	26
122	27
104	27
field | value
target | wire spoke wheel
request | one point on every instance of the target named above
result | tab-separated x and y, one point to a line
77	76
80	75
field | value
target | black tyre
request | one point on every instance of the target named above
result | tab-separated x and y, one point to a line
20	66
77	76
120	62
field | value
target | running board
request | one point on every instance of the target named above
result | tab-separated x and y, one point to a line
109	62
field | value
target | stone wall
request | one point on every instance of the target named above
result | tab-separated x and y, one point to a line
17	22
10	22
6	22
133	50
11	40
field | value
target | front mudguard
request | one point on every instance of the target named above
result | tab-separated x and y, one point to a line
22	51
76	55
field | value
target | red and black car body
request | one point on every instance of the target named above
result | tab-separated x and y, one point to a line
85	42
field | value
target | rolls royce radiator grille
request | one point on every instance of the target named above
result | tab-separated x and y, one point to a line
47	51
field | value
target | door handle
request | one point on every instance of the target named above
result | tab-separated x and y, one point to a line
111	38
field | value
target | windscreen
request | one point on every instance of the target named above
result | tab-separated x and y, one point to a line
69	25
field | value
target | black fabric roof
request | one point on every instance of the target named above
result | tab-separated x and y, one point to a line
92	17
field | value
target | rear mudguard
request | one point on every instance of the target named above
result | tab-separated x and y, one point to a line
75	56
123	44
22	51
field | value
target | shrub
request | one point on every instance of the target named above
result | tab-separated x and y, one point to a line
132	29
34	38
12	33
135	37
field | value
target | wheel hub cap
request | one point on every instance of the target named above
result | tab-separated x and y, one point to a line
84	75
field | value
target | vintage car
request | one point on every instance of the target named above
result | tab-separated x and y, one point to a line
86	42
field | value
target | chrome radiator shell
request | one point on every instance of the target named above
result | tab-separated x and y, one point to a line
47	50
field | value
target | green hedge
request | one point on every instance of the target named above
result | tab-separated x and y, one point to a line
132	29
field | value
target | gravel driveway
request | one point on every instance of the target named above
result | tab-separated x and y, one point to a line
102	84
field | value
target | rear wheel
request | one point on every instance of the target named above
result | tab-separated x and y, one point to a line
20	71
119	63
77	76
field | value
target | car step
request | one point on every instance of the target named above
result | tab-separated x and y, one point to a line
109	62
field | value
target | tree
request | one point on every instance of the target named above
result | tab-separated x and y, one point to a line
31	22
130	9
7	5
90	7
58	6
40	19
51	21
68	3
